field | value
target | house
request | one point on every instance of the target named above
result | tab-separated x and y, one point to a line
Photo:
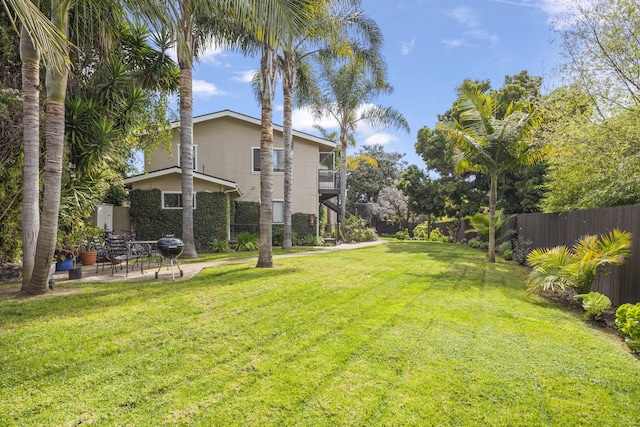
226	149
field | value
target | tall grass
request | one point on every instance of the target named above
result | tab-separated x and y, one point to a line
406	333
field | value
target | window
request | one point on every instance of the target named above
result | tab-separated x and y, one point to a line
195	155
278	212
278	159
173	200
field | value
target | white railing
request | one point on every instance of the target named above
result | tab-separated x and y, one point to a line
328	179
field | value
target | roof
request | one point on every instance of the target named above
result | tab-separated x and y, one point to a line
257	122
176	170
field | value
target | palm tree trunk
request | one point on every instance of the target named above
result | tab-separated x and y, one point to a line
493	198
56	83
267	83
343	180
30	56
186	156
288	82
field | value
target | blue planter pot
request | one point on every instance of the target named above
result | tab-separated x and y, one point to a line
64	265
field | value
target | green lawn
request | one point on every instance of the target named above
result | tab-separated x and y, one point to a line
404	333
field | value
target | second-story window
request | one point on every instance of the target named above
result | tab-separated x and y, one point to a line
278	159
195	155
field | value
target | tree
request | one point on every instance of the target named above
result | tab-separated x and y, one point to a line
339	28
193	24
592	163
274	21
601	50
425	195
367	179
392	205
484	143
38	34
348	92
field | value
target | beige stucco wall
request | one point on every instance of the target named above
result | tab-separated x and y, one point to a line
224	150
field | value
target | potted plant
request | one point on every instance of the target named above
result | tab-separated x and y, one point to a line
88	245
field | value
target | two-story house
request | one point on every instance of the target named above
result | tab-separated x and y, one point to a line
226	151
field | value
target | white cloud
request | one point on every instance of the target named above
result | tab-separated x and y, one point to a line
380	138
205	89
407	47
244	76
453	42
303	120
210	54
479	34
464	15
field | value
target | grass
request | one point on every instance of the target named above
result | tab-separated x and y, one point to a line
221	256
405	333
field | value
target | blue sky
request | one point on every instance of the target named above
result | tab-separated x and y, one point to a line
431	46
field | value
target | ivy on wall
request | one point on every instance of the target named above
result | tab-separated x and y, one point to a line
211	217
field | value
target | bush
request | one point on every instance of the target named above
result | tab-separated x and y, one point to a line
507	254
220	246
476	243
313	241
628	322
521	250
402	235
247	241
355	230
594	304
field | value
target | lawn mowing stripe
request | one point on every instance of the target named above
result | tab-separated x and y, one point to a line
342	334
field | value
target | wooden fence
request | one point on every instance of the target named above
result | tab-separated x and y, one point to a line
549	230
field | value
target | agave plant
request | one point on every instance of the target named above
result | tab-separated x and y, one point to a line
576	267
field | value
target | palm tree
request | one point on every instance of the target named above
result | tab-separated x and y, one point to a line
274	20
37	34
577	267
487	144
339	28
348	93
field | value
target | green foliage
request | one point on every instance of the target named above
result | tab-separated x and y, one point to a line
210	218
592	163
277	236
480	224
521	250
220	246
628	322
506	250
11	161
366	180
355	230
247	213
576	267
247	241
594	304
402	235
313	241
478	243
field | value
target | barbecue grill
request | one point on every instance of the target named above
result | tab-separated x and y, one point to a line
170	248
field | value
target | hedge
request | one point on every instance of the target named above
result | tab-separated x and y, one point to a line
211	217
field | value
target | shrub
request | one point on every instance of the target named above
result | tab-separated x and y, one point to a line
402	235
220	246
594	304
313	241
506	250
277	237
628	322
521	250
576	267
247	241
476	243
355	230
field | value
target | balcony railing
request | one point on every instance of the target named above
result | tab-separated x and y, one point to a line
328	179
